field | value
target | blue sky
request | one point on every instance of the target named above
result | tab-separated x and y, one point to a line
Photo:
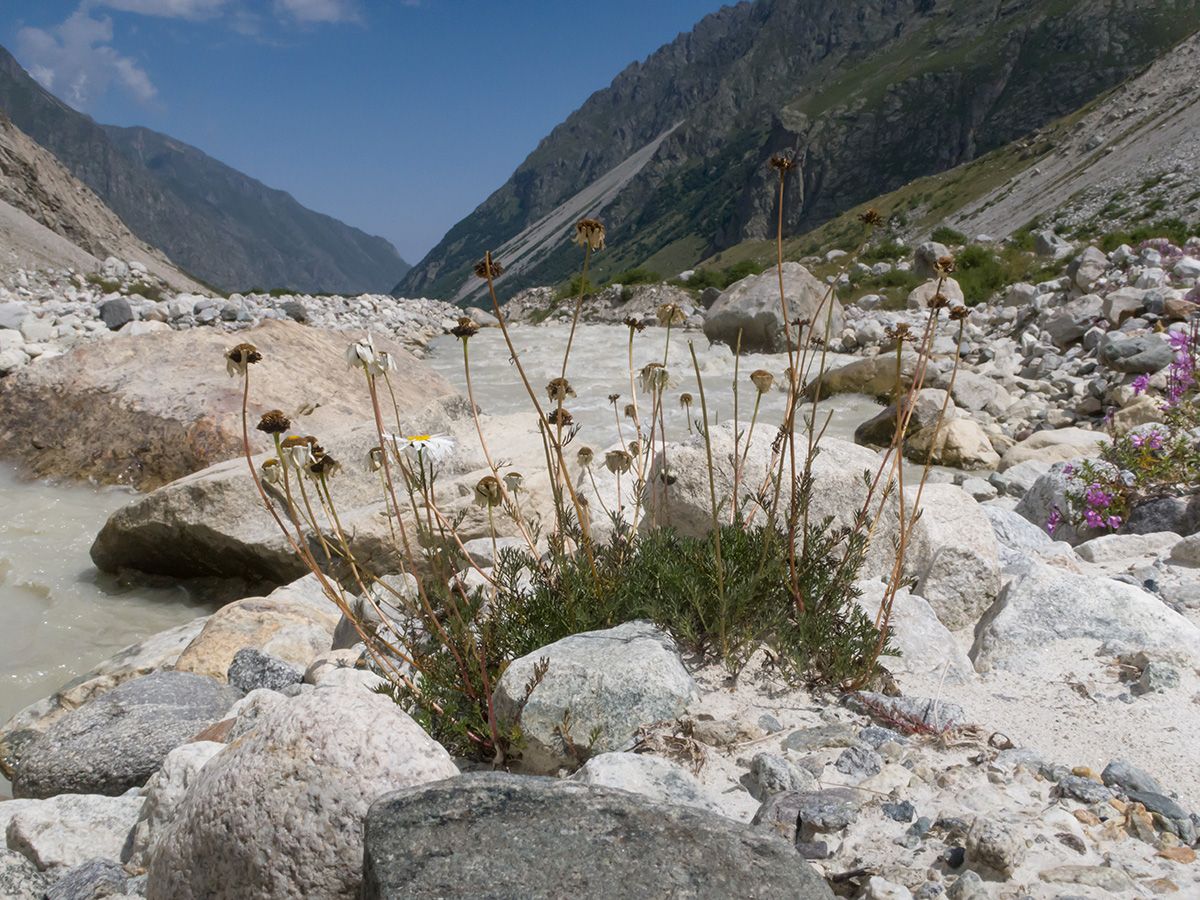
396	116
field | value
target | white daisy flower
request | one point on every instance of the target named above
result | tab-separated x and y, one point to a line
361	353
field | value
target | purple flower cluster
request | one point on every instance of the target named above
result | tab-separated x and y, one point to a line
1181	376
1169	252
1149	441
1097	501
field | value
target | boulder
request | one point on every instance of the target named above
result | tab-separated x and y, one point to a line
279	814
839	490
919	297
150	409
978	392
874	376
214	523
1123	303
879	430
957	562
958	443
502	836
1047	243
155	652
926	646
164	792
612	681
70	829
1145	353
19	878
277	627
116	313
1046	605
648	776
93	879
1109	548
1069	322
1015	480
752	306
121	738
1055	445
251	669
1087	267
925	257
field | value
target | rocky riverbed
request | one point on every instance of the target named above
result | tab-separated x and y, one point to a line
1040	743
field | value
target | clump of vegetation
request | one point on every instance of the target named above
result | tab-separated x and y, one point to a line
706	278
631	277
769	573
886	251
944	234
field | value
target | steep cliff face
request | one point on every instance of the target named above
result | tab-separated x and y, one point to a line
866	94
215	222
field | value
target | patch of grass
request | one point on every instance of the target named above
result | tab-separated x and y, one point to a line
944	234
636	276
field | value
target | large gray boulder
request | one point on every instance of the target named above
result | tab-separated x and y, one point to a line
926	646
1046	605
501	836
957	563
1069	322
874	376
1144	353
752	307
1054	445
612	681
278	815
121	738
164	792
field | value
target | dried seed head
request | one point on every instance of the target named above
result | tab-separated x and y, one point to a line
617	461
763	380
783	164
938	301
613	398
589	233
634	324
944	265
685	401
560	418
959	313
655	377
559	389
631	412
374	459
514	481
239	358
871	217
324	466
635	449
585	457
670	314
466	328
273	421
488	268
488	492
901	333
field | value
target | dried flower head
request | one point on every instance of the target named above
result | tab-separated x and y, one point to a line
324	466
938	301
763	380
272	471
585	457
685	401
959	313
613	398
465	328
783	164
871	217
374	460
488	492
488	268
944	265
559	390
560	418
273	421
635	449
617	461
816	341
514	481
901	333
655	377
670	314
631	412
382	364
633	324
241	356
589	233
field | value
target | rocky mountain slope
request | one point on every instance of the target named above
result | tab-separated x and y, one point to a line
48	218
215	222
866	95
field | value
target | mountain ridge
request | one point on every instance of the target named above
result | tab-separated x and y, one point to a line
867	95
213	221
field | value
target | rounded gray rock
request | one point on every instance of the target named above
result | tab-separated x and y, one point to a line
279	815
502	836
120	739
252	669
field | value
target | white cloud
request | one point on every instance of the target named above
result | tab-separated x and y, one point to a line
318	10
75	61
170	9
